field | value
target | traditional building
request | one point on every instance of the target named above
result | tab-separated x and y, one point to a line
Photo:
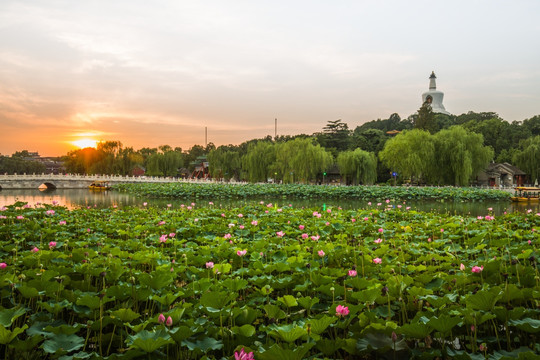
434	97
503	174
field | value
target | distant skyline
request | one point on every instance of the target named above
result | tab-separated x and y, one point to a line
155	73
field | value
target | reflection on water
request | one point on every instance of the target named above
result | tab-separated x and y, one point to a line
74	198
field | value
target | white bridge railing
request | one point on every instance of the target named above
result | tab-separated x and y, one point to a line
109	178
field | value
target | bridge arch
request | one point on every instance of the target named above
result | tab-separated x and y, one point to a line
47	186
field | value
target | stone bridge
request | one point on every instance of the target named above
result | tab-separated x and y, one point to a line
72	181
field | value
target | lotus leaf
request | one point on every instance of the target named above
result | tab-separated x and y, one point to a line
150	341
63	342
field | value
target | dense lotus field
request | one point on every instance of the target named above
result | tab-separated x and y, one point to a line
300	191
267	282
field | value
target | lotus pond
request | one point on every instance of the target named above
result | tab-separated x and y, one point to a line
193	282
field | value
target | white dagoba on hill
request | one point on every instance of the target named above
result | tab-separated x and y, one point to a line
434	97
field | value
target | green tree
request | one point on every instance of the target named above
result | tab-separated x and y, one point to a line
335	136
358	166
257	162
225	163
426	119
301	160
410	153
527	157
460	155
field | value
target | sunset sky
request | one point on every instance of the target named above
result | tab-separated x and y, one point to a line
150	73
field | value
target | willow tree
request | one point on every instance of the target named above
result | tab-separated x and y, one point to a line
224	163
300	160
410	153
461	154
258	160
359	166
528	157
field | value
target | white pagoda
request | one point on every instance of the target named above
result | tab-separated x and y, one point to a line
434	97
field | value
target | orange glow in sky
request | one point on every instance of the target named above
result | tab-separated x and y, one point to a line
186	72
85	143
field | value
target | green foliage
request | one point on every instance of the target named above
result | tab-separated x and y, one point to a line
20	165
358	166
258	161
528	157
460	156
426	119
410	153
279	304
224	163
300	160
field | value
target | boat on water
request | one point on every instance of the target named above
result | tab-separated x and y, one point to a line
99	186
526	194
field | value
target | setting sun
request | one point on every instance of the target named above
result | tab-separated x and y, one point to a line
85	143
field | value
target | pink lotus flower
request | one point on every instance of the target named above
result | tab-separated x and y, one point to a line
161	319
161	223
408	208
20	217
529	242
242	355
163	238
35	250
169	321
210	203
366	218
462	267
352	273
209	265
280	234
231	225
301	227
3	217
353	220
254	223
240	215
227	236
50	212
381	230
169	205
342	310
222	215
315	237
54	202
369	203
329	211
377	260
442	230
52	244
378	241
189	208
241	227
321	253
192	204
327	223
477	269
387	201
171	235
241	252
3	208
62	222
144	203
304	236
3	266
